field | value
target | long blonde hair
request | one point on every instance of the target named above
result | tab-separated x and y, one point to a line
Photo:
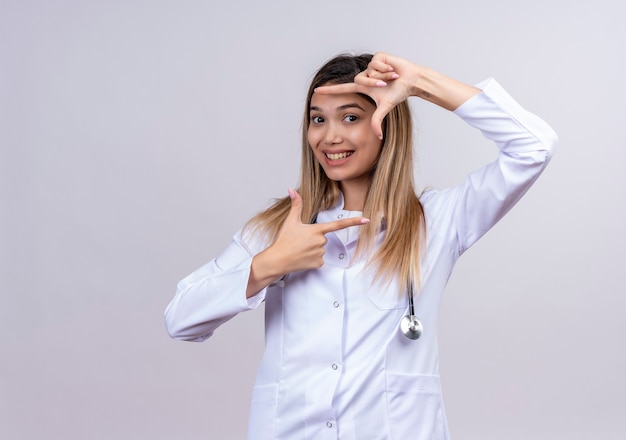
391	203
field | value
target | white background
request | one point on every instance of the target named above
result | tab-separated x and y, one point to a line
137	136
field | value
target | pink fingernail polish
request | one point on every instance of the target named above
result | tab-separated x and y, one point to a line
395	76
365	220
291	193
381	83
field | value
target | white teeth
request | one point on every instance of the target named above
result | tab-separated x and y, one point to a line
337	156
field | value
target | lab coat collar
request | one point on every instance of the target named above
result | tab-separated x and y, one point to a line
349	235
346	236
335	212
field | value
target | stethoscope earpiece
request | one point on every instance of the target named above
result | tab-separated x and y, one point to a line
410	325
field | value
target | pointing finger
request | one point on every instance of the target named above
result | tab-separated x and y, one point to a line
342	224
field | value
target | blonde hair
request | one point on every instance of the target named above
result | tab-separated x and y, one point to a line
391	203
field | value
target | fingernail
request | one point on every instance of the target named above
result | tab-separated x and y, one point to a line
365	220
395	76
292	194
381	83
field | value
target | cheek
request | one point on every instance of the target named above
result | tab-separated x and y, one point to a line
371	142
375	149
367	136
312	138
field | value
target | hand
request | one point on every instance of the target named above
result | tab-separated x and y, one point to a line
297	247
300	246
388	80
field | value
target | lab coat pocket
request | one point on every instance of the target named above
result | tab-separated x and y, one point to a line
415	407
262	423
388	299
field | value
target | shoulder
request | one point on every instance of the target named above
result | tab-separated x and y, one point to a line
439	210
434	201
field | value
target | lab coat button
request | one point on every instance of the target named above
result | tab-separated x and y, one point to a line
341	256
335	366
336	304
329	424
340	216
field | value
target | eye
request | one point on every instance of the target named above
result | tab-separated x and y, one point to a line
317	119
351	118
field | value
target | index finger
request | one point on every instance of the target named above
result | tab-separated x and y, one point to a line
342	224
337	89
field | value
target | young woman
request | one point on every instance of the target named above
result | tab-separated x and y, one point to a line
343	260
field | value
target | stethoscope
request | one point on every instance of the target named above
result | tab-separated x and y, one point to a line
410	325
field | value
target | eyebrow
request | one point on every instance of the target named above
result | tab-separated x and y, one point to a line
341	107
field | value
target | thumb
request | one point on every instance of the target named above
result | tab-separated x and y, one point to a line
295	211
377	119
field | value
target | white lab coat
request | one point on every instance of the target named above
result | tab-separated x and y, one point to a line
336	364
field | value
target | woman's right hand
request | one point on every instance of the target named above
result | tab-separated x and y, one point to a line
298	246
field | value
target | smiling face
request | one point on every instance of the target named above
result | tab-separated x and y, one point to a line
341	137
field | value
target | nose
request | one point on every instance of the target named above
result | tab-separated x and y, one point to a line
332	135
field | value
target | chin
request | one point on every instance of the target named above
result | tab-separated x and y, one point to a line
336	177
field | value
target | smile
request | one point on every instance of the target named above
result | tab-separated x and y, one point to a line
338	156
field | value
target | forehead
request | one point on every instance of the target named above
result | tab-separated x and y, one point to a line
335	102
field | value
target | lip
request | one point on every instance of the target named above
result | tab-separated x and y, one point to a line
339	161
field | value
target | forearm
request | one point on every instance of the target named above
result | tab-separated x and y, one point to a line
525	144
212	294
204	301
262	272
440	89
500	118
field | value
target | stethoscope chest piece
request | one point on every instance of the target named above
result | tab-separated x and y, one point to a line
411	326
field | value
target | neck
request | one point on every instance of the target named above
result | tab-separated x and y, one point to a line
354	193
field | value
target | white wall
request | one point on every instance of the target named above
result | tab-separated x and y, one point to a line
137	136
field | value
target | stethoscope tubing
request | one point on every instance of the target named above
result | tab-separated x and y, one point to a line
410	325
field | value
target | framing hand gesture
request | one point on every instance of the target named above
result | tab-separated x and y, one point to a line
390	80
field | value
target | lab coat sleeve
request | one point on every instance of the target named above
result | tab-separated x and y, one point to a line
525	145
213	294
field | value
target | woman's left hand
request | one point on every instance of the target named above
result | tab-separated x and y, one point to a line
390	80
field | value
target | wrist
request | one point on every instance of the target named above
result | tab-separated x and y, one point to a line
262	274
424	83
442	90
267	266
